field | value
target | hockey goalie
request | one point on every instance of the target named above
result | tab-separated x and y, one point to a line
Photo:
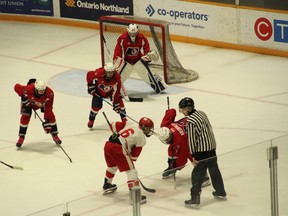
132	54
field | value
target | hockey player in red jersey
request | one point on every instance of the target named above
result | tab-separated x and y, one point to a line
132	53
131	45
104	83
123	149
174	133
36	95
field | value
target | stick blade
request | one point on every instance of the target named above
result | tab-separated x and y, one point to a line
135	99
18	167
150	190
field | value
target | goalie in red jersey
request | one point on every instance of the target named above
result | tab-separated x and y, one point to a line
36	95
132	53
104	83
175	135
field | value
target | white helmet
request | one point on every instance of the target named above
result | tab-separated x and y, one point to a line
132	31
109	67
40	85
164	134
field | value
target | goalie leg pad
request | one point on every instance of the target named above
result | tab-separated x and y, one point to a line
152	79
123	68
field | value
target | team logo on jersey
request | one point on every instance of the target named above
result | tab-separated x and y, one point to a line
132	51
105	88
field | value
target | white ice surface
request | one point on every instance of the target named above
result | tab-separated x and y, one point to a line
244	94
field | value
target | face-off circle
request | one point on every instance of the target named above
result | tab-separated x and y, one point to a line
263	29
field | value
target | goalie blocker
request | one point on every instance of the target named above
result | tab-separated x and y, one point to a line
143	70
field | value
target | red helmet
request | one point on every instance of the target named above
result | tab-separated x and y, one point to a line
146	125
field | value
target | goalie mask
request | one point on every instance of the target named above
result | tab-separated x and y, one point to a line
186	106
147	126
109	70
165	135
132	31
40	87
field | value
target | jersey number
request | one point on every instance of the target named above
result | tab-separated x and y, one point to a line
127	132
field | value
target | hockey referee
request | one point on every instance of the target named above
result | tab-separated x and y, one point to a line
202	147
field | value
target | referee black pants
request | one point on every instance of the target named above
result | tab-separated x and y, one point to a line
198	176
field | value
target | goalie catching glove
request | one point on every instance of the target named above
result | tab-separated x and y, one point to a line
47	127
151	56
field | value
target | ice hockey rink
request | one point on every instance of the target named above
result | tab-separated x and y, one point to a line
244	94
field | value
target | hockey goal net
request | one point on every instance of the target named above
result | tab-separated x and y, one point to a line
157	33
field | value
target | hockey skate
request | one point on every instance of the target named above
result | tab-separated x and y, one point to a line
142	201
206	182
108	188
167	173
193	203
20	141
218	196
56	139
90	124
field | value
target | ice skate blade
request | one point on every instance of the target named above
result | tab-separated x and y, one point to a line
109	191
167	177
193	206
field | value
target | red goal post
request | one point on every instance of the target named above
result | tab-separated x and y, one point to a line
157	33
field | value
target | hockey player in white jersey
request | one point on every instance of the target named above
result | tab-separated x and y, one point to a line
123	149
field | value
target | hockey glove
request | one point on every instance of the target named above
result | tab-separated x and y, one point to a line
146	58
91	89
114	138
26	102
32	80
47	127
116	107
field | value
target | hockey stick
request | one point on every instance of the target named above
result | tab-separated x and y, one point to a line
112	106
53	138
125	95
122	112
12	167
174	174
168	102
150	190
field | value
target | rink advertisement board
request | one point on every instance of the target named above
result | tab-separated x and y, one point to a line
191	19
94	9
264	29
31	7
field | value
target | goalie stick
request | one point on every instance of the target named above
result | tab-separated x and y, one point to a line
12	167
53	138
150	190
123	90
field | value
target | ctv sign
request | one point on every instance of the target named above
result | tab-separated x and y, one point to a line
264	30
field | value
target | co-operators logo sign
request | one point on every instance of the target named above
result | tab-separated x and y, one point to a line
150	10
264	29
176	14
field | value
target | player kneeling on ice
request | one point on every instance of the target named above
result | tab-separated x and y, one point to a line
132	54
104	83
123	149
174	134
36	95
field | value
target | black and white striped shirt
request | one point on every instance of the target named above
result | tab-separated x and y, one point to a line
200	133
